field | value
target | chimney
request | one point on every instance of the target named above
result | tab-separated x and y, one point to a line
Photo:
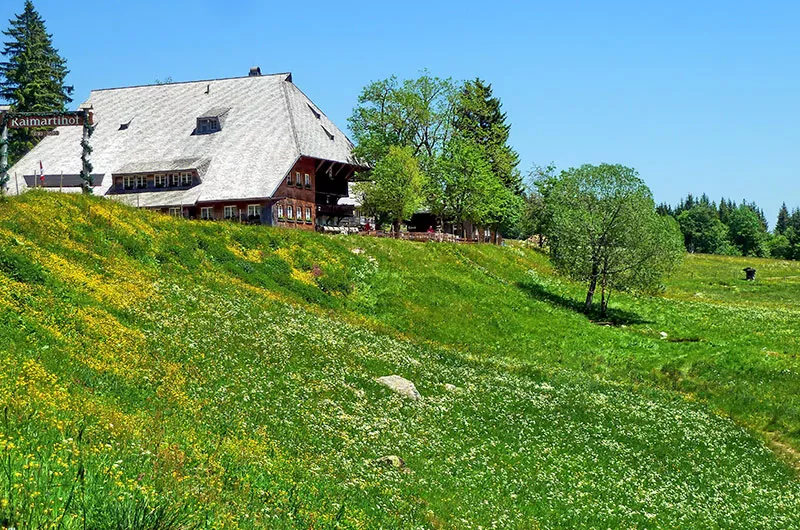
255	71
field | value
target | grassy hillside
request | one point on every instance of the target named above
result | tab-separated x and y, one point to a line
160	373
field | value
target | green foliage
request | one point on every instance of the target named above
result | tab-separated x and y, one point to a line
415	113
603	229
479	119
747	231
395	188
459	139
32	76
703	231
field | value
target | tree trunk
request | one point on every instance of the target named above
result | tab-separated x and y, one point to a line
604	305
592	287
603	299
396	227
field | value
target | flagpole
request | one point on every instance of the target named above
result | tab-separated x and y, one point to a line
61	182
16	181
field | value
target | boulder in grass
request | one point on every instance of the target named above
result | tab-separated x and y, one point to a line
402	386
451	388
391	461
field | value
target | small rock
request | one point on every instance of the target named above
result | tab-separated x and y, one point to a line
402	386
451	388
663	335
391	461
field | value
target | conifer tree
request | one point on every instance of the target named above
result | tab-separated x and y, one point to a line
479	118
783	220
32	75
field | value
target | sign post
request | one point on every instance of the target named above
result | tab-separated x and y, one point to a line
3	154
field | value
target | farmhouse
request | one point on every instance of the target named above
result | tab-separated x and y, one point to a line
252	148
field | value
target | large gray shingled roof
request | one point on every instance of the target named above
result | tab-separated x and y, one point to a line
269	126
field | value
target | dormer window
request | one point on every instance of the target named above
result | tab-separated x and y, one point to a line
212	121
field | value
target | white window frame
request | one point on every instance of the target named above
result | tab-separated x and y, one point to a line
308	180
127	182
308	213
231	212
176	211
280	211
140	181
174	179
207	212
290	212
213	125
253	210
299	213
186	179
160	181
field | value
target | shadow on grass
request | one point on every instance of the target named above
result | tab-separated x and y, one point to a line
613	317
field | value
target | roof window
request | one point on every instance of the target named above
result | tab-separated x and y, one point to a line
326	132
316	114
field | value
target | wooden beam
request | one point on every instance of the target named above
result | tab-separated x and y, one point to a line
340	170
321	162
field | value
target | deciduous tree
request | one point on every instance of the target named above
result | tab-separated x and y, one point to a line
604	230
395	188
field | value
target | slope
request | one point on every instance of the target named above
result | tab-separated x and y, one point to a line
161	373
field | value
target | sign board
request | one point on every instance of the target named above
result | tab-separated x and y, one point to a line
64	119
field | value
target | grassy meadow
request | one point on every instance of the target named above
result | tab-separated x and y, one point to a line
170	374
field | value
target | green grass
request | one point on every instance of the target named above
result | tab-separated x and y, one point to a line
161	373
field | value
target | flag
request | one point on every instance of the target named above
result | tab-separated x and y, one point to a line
41	173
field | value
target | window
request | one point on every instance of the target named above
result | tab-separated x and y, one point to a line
289	180
207	212
231	212
299	213
297	177
160	181
289	212
141	181
175	212
186	179
127	182
308	214
280	211
174	179
253	211
214	125
308	180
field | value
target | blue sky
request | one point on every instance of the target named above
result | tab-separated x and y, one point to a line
698	96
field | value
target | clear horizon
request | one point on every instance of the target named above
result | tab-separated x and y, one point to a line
697	100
